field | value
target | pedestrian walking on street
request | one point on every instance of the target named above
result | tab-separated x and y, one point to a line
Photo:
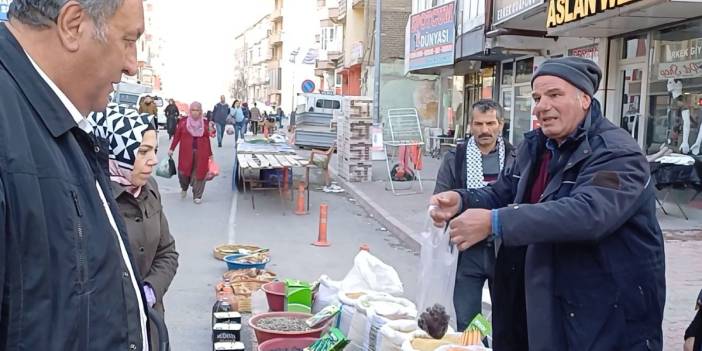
476	162
580	199
237	115
256	119
133	141
247	115
193	135
67	279
280	115
172	115
219	117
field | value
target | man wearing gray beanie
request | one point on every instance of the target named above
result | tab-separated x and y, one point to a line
575	220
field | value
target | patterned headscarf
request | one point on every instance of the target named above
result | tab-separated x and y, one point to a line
123	131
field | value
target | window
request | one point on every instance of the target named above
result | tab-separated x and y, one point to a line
674	108
525	69
507	73
328	104
634	47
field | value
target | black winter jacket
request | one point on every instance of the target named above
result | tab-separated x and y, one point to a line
62	275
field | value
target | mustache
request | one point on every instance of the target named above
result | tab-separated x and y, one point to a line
485	136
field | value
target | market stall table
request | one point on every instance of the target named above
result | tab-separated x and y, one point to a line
256	155
668	177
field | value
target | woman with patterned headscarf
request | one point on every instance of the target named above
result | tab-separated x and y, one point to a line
132	142
193	135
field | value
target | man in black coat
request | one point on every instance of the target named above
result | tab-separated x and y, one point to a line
476	162
67	280
219	117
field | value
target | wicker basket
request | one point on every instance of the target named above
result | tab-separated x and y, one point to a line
249	274
228	249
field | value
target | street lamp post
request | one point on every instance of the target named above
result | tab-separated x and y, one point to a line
293	60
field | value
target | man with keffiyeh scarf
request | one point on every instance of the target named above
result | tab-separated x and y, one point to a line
475	163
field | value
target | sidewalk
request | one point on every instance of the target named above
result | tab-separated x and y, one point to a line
405	215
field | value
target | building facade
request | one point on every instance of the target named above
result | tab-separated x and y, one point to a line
253	56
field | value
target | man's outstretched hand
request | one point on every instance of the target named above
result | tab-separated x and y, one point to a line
444	207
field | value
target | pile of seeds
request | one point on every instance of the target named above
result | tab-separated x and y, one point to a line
284	324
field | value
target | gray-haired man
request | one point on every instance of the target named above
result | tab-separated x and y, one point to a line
67	281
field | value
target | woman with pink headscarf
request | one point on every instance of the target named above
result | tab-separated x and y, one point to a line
195	151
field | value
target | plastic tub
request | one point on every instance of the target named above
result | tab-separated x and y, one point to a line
265	335
275	294
281	344
229	259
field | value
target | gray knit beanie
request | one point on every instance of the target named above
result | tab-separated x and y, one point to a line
582	73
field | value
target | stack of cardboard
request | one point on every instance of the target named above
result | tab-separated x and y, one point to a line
354	143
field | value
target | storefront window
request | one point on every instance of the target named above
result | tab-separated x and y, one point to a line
634	47
675	90
507	109
525	69
522	113
507	73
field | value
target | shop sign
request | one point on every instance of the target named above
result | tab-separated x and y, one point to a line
4	7
591	52
683	50
678	70
565	11
506	9
431	37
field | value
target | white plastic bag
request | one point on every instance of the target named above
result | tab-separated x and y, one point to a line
437	277
370	273
259	302
327	295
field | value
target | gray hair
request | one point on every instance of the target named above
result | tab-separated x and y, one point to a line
43	13
486	105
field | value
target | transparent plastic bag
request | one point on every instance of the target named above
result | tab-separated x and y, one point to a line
437	277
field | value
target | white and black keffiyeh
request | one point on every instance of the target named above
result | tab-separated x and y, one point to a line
475	177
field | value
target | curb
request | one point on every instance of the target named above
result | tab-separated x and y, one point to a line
394	225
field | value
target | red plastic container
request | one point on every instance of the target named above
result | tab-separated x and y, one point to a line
285	344
275	294
265	335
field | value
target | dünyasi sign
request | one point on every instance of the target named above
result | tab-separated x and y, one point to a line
565	11
432	37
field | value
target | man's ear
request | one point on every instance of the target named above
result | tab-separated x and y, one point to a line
70	25
585	101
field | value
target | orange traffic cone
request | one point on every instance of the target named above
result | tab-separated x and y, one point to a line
300	210
322	238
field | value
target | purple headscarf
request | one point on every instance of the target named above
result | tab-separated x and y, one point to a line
196	127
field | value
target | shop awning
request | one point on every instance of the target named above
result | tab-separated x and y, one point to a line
635	16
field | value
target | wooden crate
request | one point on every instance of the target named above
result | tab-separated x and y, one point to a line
356	171
356	152
358	130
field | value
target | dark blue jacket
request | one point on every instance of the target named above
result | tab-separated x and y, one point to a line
594	265
62	277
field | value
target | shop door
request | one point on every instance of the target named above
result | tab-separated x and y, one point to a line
632	104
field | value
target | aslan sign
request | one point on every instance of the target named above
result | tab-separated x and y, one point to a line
566	11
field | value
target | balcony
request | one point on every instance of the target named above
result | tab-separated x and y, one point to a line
277	15
342	10
324	65
333	13
358	4
275	38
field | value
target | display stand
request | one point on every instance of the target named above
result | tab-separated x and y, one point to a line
403	130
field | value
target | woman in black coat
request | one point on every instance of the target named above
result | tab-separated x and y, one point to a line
172	114
693	334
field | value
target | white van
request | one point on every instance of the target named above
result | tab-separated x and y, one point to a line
320	103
